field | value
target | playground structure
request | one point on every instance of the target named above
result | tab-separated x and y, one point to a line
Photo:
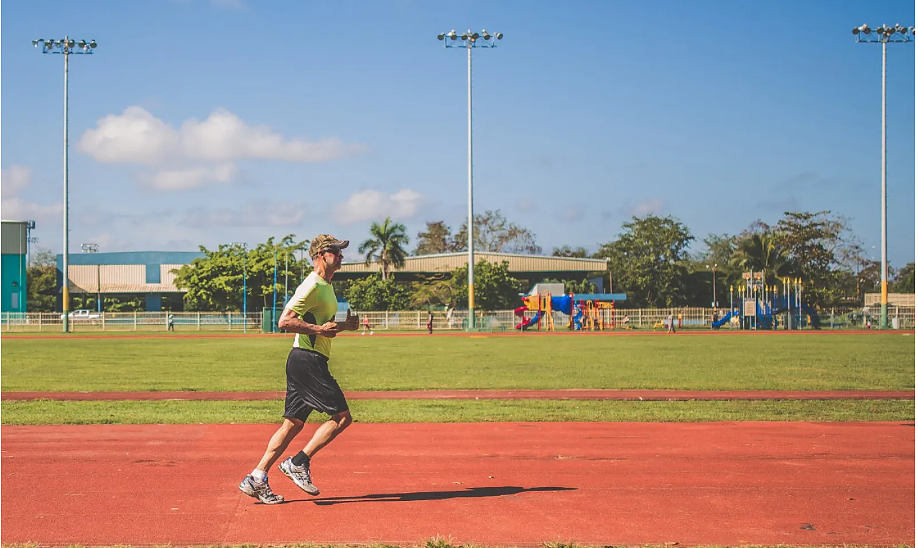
760	306
585	311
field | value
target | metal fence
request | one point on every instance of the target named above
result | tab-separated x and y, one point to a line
638	318
413	320
133	321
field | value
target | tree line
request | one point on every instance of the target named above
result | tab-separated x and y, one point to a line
649	260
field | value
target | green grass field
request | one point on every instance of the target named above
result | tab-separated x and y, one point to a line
728	362
716	362
444	411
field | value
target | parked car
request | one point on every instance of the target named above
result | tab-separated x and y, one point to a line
83	314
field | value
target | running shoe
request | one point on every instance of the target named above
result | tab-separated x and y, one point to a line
300	476
259	490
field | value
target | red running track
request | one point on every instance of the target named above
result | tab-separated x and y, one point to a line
487	484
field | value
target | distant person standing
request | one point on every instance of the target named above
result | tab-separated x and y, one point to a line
366	325
171	323
310	314
429	322
671	325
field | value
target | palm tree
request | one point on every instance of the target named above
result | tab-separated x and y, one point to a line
386	245
762	252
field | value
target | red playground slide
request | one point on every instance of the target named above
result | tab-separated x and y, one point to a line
527	322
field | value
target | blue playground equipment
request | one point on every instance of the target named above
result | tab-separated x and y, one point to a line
724	319
763	306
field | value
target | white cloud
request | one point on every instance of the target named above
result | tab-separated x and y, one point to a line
258	213
224	136
181	179
134	137
525	205
572	213
15	178
138	137
21	210
373	205
198	152
235	4
653	205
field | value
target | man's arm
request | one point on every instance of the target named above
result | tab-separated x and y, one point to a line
289	321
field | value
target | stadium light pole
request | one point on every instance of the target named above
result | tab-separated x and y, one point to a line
66	47
713	285
883	35
470	40
94	248
30	226
274	302
244	289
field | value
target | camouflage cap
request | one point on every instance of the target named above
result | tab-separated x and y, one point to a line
324	242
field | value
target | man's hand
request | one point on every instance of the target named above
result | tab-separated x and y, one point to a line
329	329
351	322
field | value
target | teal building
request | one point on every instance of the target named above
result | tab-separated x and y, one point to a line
14	251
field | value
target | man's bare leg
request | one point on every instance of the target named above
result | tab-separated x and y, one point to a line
297	466
279	442
327	431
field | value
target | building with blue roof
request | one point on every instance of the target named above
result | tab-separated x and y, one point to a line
126	274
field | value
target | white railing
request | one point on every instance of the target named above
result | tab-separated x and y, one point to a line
414	320
133	321
638	318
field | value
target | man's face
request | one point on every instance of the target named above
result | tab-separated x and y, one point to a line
332	258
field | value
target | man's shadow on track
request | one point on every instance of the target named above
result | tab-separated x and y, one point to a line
471	492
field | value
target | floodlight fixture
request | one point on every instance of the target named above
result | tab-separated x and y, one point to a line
469	39
65	46
883	34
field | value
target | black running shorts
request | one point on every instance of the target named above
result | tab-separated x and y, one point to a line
310	386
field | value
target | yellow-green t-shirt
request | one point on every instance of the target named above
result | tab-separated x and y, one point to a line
314	302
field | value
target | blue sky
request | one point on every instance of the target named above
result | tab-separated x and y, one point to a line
213	121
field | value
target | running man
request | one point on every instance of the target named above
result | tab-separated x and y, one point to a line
309	314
